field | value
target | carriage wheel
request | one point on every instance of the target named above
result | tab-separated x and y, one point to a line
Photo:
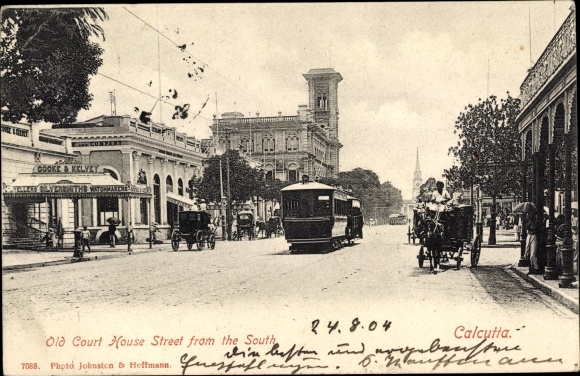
199	240
189	244
175	240
421	256
211	241
475	251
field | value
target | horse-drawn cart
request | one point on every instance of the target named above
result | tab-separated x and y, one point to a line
245	226
446	235
195	228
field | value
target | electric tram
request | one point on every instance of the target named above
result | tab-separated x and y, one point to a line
318	216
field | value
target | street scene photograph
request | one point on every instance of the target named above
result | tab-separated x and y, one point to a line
289	188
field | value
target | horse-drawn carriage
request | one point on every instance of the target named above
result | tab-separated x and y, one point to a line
446	235
195	228
245	226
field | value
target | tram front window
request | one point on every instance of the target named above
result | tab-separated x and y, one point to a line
306	205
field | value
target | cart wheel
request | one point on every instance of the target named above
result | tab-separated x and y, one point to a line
421	256
211	241
475	251
175	240
199	240
189	244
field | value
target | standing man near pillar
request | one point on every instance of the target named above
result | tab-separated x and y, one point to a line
532	243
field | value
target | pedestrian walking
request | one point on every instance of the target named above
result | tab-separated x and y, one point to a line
517	228
86	238
112	236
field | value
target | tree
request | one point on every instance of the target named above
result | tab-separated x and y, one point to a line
271	189
394	197
46	60
245	181
488	150
365	185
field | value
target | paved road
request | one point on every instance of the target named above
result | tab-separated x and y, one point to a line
260	288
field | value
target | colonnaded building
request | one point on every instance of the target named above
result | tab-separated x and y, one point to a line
83	173
109	166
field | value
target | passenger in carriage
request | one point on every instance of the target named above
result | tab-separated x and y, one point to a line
439	198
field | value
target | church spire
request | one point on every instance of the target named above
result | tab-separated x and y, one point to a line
417	167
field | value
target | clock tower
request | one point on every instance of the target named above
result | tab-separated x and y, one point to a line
417	181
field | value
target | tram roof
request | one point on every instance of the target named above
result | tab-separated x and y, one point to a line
308	186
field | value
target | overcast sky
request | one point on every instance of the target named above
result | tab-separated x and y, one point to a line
408	68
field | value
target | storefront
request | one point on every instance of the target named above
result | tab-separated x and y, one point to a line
69	187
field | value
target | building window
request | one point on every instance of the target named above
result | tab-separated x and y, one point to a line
269	175
107	207
111	172
322	101
157	198
268	143
293	175
144	217
292	142
168	184
247	144
180	187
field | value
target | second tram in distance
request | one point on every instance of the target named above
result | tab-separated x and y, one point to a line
316	215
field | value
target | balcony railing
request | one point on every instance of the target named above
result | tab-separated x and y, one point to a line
559	49
270	119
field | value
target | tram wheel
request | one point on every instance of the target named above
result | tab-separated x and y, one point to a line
475	251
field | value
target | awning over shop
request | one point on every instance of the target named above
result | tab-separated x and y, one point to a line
71	186
181	200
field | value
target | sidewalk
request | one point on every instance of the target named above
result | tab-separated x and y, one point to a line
508	251
13	259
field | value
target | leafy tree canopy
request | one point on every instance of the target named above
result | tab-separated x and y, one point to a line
365	185
488	149
46	60
245	181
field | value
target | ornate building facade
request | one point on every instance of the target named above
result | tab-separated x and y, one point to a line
548	127
23	147
289	146
152	155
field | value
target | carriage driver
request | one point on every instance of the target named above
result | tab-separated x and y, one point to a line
439	198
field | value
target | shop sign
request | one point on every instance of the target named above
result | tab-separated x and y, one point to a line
70	188
65	168
139	189
98	143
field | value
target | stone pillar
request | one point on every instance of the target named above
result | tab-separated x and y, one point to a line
524	234
567	276
551	270
151	183
163	189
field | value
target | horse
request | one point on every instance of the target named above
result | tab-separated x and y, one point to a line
261	227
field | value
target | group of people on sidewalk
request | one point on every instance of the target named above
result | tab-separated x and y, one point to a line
532	225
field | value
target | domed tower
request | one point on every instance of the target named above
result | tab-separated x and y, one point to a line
417	181
323	100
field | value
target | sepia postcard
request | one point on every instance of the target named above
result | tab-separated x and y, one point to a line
293	188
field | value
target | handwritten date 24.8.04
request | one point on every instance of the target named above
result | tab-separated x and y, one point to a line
354	325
